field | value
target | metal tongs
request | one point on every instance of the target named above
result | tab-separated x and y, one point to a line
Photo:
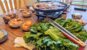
66	33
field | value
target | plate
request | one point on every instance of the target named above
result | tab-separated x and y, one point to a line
5	36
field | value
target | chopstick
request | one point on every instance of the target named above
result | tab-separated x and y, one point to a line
68	34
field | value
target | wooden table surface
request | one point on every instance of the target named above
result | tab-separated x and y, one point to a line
12	34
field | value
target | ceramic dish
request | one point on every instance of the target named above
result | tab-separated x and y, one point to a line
3	36
15	23
8	17
76	16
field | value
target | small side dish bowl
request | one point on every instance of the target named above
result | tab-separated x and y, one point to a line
15	23
76	16
26	13
3	36
8	17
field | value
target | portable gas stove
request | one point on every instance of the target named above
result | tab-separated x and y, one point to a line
52	9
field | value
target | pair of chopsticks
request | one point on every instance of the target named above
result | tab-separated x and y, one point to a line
66	33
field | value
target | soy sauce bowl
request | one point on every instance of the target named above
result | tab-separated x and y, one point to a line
76	16
2	40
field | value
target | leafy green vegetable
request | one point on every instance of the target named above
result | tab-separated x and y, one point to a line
74	27
33	29
41	27
54	33
47	37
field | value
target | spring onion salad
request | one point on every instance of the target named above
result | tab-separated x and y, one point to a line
46	37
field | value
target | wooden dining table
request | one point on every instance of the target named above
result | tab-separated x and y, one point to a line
13	33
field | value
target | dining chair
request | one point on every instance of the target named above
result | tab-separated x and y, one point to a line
11	5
